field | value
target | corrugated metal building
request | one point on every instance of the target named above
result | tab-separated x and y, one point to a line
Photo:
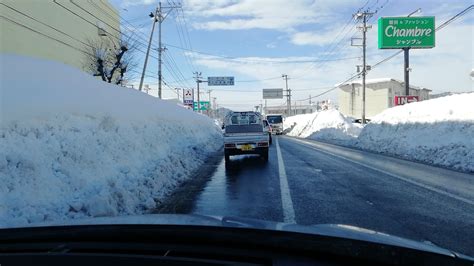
380	94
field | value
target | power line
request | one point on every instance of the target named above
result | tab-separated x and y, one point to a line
175	66
45	35
446	23
49	26
276	61
172	73
330	48
139	34
463	12
258	80
117	38
117	30
182	39
170	88
334	47
160	19
187	35
133	30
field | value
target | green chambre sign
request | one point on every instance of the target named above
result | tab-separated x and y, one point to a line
403	32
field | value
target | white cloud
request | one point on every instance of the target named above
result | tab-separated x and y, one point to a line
443	68
260	14
304	77
271	45
130	3
320	38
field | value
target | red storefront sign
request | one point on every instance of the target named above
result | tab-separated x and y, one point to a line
401	100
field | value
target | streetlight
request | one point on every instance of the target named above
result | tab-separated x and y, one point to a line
416	11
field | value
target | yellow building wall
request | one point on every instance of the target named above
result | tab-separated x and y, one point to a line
47	29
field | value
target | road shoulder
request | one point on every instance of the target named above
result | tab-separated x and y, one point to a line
450	183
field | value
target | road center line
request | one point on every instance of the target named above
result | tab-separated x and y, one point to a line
433	189
286	202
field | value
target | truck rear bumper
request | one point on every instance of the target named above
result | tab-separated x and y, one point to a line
246	143
235	151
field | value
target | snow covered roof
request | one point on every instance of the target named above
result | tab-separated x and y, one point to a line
378	81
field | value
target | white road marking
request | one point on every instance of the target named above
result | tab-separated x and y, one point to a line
433	189
286	202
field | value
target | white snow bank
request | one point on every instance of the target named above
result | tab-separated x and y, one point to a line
438	131
72	146
330	126
295	125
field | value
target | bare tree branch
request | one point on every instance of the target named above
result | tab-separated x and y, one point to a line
110	60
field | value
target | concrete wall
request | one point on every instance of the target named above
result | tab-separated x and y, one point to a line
25	36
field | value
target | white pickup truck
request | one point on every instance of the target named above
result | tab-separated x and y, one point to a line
244	133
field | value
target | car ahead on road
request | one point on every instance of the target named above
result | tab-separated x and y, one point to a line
268	128
276	122
244	134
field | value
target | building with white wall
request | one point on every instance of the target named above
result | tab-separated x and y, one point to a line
296	109
379	95
56	30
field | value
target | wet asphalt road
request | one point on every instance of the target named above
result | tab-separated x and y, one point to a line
315	183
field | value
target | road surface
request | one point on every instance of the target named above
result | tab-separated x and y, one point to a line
309	182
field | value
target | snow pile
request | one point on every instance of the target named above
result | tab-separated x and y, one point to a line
330	126
438	131
72	146
295	125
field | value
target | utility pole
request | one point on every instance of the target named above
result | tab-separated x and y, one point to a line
210	107
160	50
209	93
406	55
198	80
178	92
288	96
158	17
154	16
147	88
214	105
310	99
406	65
364	16
265	107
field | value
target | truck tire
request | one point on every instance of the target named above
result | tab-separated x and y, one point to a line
265	155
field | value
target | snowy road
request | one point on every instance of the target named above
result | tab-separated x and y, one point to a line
309	182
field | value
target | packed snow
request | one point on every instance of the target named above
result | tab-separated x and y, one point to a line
328	125
72	146
438	131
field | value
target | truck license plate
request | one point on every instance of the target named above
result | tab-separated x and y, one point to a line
246	147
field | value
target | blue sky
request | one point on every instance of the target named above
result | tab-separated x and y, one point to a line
258	40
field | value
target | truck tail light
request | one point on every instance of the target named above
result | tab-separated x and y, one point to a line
262	144
229	145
